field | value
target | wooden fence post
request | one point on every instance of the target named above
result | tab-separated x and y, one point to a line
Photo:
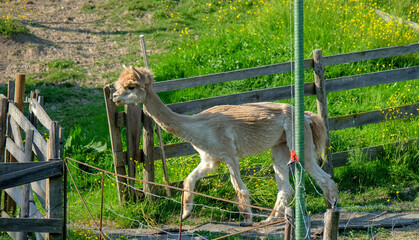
331	224
4	104
133	134
54	186
320	87
289	230
26	189
16	91
148	147
119	156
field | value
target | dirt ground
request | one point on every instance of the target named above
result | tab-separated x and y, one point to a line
59	30
398	225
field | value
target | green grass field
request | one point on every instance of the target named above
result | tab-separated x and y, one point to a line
197	37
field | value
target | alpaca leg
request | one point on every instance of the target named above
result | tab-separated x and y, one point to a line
242	194
280	156
206	165
324	180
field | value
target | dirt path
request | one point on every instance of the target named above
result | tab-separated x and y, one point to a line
398	225
60	30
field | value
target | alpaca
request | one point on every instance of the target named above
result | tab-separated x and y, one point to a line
230	132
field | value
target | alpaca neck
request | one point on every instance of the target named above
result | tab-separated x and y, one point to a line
170	121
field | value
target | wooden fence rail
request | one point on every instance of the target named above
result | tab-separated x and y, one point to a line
285	92
118	119
42	177
197	81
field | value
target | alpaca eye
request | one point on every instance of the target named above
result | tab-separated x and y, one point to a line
131	87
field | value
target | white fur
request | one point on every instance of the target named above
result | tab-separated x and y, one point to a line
230	132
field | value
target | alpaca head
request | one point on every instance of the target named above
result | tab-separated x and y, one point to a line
131	85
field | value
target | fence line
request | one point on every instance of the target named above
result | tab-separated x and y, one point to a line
203	80
18	168
285	218
335	123
149	153
172	187
285	92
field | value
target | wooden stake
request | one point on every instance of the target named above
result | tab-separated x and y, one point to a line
19	90
331	224
148	147
54	186
289	229
158	130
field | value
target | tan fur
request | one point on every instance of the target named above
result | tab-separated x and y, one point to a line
230	132
319	132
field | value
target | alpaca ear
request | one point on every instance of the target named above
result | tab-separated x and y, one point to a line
137	74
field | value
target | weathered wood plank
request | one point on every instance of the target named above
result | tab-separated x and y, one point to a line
116	142
228	76
11	90
341	158
31	225
14	235
25	124
372	79
371	54
264	95
54	186
6	168
16	194
133	136
28	175
121	119
175	150
203	80
281	93
372	117
39	112
26	189
321	92
4	103
28	146
16	133
335	123
14	149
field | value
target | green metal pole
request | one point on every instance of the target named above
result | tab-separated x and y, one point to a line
300	208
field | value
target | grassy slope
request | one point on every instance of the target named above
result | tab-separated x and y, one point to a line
191	38
201	37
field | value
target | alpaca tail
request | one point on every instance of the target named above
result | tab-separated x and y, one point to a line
319	132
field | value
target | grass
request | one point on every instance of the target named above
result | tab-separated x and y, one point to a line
11	20
198	37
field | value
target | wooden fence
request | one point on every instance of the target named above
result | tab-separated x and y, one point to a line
21	177
132	117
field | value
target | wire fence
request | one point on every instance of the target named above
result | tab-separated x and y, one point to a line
111	175
146	229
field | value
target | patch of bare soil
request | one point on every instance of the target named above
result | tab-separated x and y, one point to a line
60	29
402	225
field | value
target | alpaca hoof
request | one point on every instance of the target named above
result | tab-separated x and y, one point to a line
186	215
266	221
246	224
